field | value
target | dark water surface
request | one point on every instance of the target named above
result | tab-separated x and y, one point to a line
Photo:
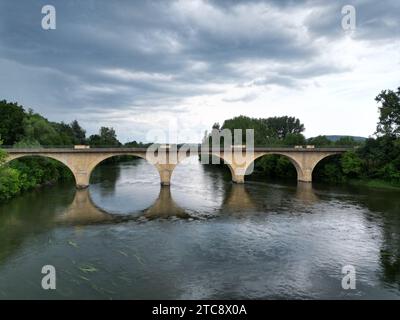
202	238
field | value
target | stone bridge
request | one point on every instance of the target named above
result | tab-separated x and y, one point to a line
81	162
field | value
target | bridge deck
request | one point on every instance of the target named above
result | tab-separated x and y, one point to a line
143	150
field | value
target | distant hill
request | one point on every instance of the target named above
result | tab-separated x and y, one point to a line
335	138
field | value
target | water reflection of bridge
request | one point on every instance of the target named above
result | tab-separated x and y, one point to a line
82	210
237	199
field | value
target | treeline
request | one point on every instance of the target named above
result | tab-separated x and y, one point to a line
21	128
374	161
277	132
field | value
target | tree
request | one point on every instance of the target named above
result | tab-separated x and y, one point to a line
262	134
282	126
3	154
347	141
351	164
135	144
389	118
38	128
9	178
78	132
106	137
293	139
319	141
11	122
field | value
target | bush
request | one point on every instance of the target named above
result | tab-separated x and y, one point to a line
351	164
9	183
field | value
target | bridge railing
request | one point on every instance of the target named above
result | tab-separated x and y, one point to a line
300	147
35	147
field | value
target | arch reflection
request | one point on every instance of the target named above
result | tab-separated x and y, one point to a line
165	207
237	201
83	210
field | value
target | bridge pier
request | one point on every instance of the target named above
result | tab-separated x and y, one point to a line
165	171
81	180
238	178
305	175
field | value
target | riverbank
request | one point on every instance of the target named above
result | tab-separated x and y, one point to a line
375	183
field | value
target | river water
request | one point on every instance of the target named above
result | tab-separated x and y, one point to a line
203	238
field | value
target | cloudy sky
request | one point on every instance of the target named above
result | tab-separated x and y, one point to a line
182	65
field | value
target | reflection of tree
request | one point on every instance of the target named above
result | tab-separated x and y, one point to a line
390	254
390	249
384	210
29	215
107	173
219	171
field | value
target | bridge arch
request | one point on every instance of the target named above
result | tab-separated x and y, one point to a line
304	162
55	157
297	165
98	160
211	154
323	161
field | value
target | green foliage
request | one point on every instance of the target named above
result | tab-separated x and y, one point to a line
351	164
35	171
37	128
275	166
329	170
293	139
27	143
389	118
9	179
319	141
135	144
78	133
389	172
347	142
269	131
3	154
10	184
27	129
106	137
11	122
283	126
262	134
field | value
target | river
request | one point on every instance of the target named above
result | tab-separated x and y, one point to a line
202	238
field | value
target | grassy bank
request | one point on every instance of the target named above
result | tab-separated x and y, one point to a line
375	183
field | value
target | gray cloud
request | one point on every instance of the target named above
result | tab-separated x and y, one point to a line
146	56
